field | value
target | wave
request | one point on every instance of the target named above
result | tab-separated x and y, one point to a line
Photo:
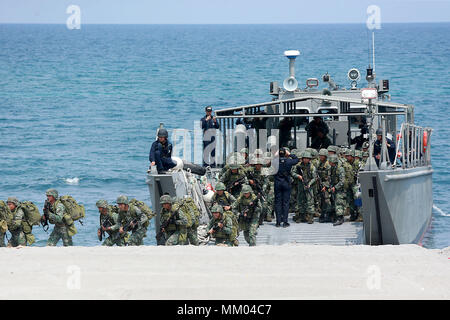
72	181
442	213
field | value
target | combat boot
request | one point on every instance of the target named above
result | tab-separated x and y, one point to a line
353	216
310	219
339	221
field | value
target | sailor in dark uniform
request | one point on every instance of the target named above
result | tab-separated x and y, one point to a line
161	152
209	122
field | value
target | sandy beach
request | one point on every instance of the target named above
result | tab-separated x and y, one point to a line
208	272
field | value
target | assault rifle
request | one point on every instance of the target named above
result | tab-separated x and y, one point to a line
232	185
106	224
128	226
44	219
160	234
257	187
247	213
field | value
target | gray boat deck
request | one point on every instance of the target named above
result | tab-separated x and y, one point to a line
348	233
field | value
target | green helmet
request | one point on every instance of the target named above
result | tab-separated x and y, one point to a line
349	152
244	150
365	145
216	208
358	154
246	188
122	199
163	133
306	154
258	152
323	152
342	150
52	192
102	204
332	149
165	199
13	200
220	186
333	158
314	153
234	165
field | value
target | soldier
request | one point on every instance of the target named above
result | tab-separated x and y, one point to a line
220	226
234	179
132	219
110	223
321	140
222	197
161	153
209	125
249	209
337	192
315	162
4	219
323	179
64	227
176	220
269	188
349	184
15	225
257	180
167	220
305	172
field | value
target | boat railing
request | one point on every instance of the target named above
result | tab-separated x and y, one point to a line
413	146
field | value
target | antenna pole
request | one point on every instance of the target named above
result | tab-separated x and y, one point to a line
373	50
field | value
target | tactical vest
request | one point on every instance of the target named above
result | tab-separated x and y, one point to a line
223	200
323	171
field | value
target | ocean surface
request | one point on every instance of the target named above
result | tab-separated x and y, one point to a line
79	108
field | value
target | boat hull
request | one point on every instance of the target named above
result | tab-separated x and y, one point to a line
397	205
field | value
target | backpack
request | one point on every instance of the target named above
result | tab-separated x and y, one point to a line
75	210
144	209
190	210
32	215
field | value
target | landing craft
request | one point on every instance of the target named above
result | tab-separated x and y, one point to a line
396	194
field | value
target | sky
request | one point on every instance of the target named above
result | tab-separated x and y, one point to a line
222	11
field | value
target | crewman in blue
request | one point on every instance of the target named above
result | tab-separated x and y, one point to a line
161	152
390	145
209	122
282	185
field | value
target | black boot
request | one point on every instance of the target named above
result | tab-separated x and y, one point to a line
339	221
353	216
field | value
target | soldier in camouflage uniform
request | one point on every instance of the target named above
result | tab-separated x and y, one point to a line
337	192
249	209
323	182
15	225
257	181
132	218
222	197
220	226
269	187
315	163
4	219
109	216
349	184
176	232
58	217
305	172
234	178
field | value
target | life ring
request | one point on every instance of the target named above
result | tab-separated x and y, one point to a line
399	136
425	141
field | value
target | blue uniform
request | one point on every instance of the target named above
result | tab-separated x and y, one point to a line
391	150
161	155
283	187
206	125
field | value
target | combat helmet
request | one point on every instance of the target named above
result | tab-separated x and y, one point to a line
163	133
349	152
332	149
165	199
246	188
13	200
220	186
323	152
306	154
314	153
217	208
365	145
102	203
333	158
122	199
52	192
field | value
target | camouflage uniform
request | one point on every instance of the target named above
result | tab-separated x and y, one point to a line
349	185
133	213
114	236
15	225
222	236
317	201
305	196
4	219
323	179
248	224
229	179
337	179
259	182
179	235
60	231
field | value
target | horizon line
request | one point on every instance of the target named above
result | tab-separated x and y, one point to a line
276	23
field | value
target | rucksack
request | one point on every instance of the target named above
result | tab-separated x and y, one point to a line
32	215
144	209
75	210
190	210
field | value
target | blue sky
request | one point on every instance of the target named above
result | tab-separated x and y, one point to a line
223	11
